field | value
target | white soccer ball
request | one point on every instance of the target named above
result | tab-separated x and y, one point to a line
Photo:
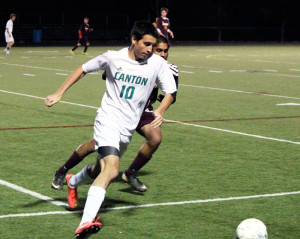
251	228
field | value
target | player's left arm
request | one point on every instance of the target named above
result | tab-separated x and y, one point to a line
164	105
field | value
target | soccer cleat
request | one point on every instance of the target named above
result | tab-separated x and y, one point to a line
72	193
85	53
7	52
87	228
134	181
58	181
72	52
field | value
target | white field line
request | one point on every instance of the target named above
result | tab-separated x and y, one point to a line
28	75
239	91
289	104
62	74
42	98
195	125
214	71
32	193
35	67
237	70
49	57
235	132
294	69
270	70
188	72
157	204
42	51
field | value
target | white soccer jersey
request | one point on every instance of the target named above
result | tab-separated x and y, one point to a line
129	84
10	26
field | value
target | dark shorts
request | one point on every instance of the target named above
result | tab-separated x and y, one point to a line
146	118
83	41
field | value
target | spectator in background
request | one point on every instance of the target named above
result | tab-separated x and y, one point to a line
163	24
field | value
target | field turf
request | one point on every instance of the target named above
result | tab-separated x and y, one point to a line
237	142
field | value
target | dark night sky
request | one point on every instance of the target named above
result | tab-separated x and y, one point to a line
183	14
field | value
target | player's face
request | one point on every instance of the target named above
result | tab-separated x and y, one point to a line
13	18
162	49
163	13
86	21
143	47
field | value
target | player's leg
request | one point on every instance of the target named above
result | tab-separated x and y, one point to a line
87	43
153	139
76	157
96	193
78	44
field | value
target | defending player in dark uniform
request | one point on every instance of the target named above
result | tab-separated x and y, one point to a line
152	135
83	36
163	24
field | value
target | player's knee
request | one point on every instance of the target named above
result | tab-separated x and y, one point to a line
110	167
155	140
87	43
78	44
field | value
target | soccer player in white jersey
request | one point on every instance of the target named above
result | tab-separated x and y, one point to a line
8	33
152	135
131	75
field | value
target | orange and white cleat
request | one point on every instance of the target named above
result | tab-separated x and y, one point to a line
88	228
72	193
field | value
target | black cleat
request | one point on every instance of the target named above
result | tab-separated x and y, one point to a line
134	181
58	181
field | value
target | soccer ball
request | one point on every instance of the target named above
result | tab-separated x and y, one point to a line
251	228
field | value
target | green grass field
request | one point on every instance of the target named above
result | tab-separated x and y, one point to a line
236	142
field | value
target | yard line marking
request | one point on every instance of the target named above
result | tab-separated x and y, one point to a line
61	74
179	122
42	98
270	70
213	200
188	72
69	56
294	69
239	91
237	70
24	57
42	51
28	75
289	104
235	132
35	67
49	57
277	62
2	57
32	193
214	71
274	74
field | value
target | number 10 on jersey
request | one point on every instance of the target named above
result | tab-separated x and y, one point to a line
128	92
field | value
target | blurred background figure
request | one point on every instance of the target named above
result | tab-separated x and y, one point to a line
163	24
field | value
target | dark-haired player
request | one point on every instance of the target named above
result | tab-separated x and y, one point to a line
152	135
83	36
131	75
163	24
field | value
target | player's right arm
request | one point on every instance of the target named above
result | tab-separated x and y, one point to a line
98	63
73	78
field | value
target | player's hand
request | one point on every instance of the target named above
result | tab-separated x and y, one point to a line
52	99
158	120
172	35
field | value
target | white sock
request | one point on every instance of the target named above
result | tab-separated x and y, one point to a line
93	203
80	178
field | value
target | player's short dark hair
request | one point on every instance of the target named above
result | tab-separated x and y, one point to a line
140	29
161	39
86	18
164	9
12	15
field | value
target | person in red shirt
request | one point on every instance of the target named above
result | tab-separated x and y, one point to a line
163	24
83	39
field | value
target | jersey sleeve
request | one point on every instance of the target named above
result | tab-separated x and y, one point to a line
96	64
7	25
159	24
165	79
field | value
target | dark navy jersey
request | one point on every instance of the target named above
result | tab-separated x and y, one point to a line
84	30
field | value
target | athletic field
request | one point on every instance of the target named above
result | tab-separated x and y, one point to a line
230	150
